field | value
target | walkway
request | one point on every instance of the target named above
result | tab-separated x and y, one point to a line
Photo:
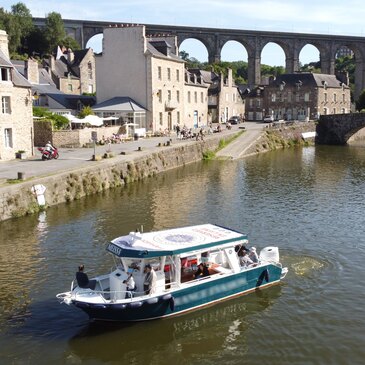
75	158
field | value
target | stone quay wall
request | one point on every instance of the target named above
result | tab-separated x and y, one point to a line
18	200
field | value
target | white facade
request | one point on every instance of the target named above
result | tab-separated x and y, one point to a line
16	116
148	71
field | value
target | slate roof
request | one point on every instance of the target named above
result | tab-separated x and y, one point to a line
16	77
44	76
156	53
72	101
308	79
119	103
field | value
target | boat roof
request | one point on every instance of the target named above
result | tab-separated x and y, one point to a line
173	241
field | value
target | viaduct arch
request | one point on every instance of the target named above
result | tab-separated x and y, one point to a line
254	41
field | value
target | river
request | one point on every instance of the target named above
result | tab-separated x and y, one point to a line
309	202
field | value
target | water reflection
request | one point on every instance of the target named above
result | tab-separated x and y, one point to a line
215	331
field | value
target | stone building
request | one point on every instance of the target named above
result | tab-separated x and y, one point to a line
224	98
73	72
16	117
300	96
149	71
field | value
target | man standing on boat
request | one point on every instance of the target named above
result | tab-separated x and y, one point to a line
130	283
149	284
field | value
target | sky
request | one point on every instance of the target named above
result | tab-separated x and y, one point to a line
335	17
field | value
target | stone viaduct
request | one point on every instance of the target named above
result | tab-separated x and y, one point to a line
254	41
337	129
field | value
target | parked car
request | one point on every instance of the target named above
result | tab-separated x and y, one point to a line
235	119
268	119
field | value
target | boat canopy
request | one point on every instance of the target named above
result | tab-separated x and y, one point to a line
174	241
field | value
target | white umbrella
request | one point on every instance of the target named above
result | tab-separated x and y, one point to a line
111	118
93	120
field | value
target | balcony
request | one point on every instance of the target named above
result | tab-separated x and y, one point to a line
170	105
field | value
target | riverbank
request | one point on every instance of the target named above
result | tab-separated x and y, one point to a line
66	183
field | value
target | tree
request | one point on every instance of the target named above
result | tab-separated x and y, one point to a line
85	111
24	24
54	30
360	102
70	42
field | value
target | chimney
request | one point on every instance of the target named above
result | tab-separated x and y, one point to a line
70	56
4	44
230	77
31	71
52	64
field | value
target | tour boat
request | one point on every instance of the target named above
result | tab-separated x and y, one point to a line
174	255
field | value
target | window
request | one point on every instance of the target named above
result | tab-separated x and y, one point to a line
233	97
177	75
5	105
189	97
178	96
202	97
335	98
159	73
258	103
273	97
325	97
169	74
161	120
4	75
90	70
159	95
178	117
195	97
297	97
8	137
343	98
289	96
69	87
169	95
306	97
250	103
334	111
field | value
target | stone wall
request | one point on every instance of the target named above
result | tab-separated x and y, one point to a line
69	138
17	200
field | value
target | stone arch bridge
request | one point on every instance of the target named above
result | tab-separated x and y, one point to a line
336	129
254	41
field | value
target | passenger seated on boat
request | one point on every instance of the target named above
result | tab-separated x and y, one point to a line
253	255
202	271
131	285
245	260
83	280
149	284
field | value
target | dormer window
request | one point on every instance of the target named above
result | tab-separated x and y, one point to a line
5	74
324	85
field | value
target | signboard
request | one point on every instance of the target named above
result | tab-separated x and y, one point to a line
94	136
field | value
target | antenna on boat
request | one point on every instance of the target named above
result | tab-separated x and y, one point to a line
141	228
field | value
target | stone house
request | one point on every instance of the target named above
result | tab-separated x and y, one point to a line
300	96
149	71
16	117
224	97
73	72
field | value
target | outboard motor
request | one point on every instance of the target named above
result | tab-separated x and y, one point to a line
270	254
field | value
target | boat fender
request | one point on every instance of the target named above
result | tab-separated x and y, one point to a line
267	276
172	303
135	304
97	306
82	305
118	306
166	297
152	300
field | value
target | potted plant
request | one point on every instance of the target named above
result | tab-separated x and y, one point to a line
21	154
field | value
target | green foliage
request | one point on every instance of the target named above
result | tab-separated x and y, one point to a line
360	102
58	121
86	110
54	30
70	42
